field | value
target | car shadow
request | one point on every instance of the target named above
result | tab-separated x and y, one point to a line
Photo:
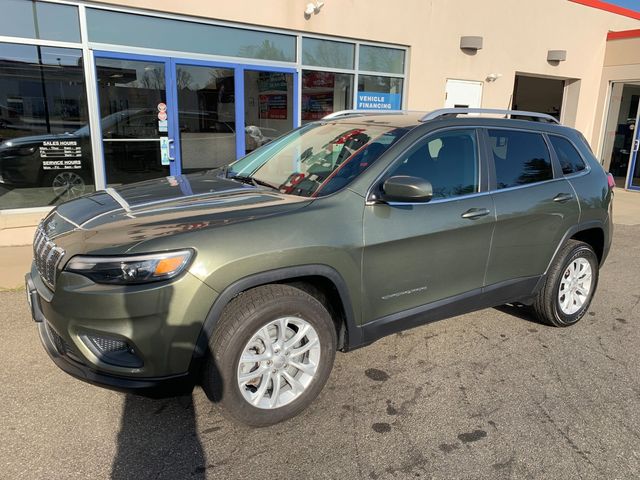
158	439
523	312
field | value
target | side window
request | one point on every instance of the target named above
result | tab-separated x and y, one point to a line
520	157
449	160
570	159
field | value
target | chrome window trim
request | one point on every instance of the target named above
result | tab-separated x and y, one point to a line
526	185
437	200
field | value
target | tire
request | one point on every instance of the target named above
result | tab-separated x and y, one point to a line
555	304
240	330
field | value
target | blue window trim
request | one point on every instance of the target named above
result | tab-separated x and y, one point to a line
170	63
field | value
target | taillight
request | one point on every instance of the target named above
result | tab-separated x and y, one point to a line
611	181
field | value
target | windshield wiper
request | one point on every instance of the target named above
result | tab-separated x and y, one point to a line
248	179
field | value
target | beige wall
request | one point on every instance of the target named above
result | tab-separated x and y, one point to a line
517	35
621	64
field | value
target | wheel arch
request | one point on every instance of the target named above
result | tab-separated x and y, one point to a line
321	281
584	232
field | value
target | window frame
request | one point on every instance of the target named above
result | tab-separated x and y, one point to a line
481	156
556	171
556	158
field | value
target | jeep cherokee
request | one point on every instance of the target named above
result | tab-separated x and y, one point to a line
247	279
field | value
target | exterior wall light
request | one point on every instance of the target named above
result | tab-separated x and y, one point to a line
313	8
492	77
555	56
471	43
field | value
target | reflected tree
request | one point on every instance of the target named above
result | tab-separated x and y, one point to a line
266	50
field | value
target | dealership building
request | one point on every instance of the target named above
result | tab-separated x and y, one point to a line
97	94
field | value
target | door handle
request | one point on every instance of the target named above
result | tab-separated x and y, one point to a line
474	213
562	197
170	147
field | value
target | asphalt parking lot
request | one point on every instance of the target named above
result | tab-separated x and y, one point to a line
487	395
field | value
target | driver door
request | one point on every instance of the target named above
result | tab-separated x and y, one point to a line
419	253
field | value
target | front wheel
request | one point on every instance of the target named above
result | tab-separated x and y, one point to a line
569	287
270	355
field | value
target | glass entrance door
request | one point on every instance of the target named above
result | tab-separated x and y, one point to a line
166	116
633	175
135	123
206	115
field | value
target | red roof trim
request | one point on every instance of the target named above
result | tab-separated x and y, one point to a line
609	8
623	34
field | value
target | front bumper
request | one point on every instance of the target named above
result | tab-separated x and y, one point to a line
63	350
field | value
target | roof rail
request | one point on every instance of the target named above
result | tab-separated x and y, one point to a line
460	111
347	113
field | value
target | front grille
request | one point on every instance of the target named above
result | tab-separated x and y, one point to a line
46	256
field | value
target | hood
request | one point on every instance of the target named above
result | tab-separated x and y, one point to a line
114	220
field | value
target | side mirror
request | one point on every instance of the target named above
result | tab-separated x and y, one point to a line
402	188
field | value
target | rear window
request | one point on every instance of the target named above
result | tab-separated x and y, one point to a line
520	158
570	159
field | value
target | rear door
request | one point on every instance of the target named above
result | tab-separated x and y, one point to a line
418	253
535	206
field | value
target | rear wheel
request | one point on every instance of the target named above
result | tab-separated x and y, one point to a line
570	285
271	354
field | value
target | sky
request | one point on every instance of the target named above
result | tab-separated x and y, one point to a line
630	4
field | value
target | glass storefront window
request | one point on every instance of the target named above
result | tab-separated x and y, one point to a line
381	59
379	93
206	117
41	20
327	53
324	93
268	106
45	147
178	35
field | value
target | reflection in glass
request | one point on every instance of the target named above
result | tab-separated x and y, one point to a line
324	93
448	161
132	102
327	53
45	149
620	129
317	159
520	158
206	117
268	106
381	59
41	20
178	35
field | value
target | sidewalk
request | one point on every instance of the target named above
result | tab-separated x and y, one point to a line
16	259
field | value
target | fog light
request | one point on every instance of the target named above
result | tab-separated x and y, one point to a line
114	351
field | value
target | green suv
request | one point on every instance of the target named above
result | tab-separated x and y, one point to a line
249	278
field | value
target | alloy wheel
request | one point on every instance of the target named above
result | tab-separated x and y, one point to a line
575	286
279	363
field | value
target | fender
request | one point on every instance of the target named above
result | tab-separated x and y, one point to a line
288	273
568	234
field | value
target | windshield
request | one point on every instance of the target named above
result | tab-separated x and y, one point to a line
317	159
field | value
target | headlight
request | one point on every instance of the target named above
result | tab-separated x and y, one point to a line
131	269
